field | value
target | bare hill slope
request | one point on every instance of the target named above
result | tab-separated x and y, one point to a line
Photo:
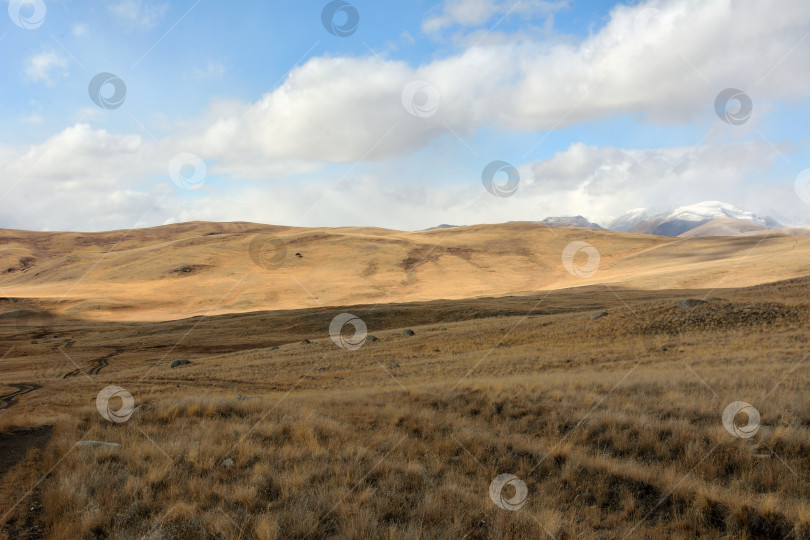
200	268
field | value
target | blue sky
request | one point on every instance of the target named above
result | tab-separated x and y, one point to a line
601	107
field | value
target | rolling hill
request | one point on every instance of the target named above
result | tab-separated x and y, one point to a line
201	268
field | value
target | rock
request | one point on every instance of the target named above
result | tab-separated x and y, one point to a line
662	349
228	463
408	332
371	338
274	348
689	303
444	329
307	342
393	365
179	362
99	444
141	406
598	315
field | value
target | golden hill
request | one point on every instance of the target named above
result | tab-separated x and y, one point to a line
198	268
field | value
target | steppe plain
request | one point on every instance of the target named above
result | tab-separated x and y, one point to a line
272	430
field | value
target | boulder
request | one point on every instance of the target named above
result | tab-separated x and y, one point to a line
689	303
99	444
179	362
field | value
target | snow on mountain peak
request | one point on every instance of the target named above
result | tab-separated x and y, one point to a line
684	218
708	210
628	220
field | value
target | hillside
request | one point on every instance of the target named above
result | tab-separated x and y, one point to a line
614	424
176	271
724	227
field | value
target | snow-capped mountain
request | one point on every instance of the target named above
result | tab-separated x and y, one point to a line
628	220
685	218
706	211
708	218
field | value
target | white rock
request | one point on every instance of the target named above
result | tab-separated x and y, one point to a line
99	444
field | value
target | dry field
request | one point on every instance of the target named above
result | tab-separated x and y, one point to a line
614	424
177	271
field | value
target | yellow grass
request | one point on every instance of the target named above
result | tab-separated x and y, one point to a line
189	269
613	424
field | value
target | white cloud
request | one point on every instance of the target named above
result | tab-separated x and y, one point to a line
604	182
81	179
211	70
467	13
330	109
33	118
349	109
79	30
142	14
337	109
79	158
90	179
45	67
90	114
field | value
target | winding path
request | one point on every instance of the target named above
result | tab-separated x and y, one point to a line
7	400
98	365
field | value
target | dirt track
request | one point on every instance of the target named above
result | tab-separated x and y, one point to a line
98	365
7	400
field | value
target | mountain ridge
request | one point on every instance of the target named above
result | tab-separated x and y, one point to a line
673	222
685	218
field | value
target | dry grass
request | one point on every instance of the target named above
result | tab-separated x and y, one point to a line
188	269
613	424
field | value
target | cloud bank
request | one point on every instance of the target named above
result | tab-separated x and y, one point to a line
660	62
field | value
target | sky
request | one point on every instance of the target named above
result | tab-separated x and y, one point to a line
401	114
